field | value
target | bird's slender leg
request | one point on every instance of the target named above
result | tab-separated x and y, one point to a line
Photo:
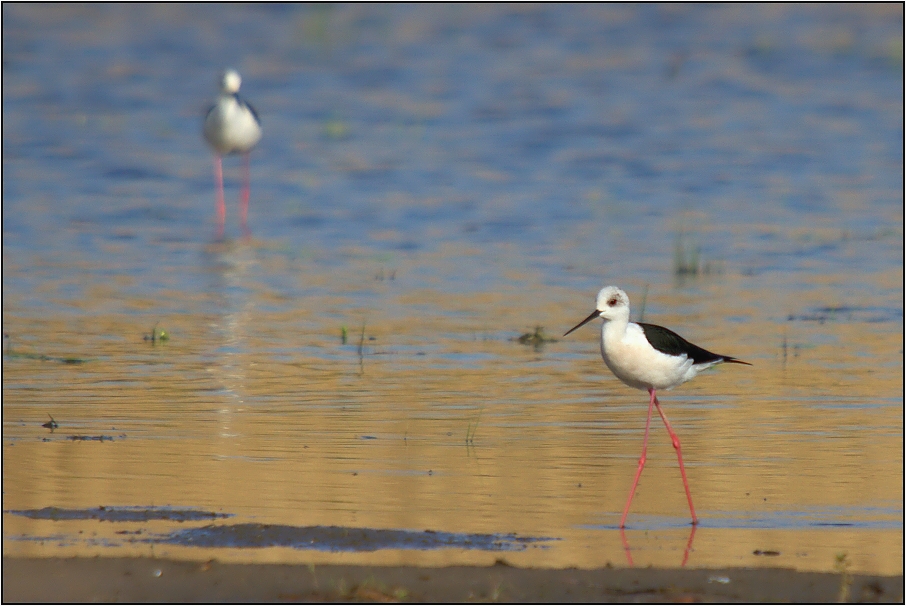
642	458
679	456
246	189
218	180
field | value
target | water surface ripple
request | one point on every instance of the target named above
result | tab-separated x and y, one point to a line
440	192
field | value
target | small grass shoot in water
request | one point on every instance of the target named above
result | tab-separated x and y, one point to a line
687	259
642	306
361	350
536	339
842	565
362	341
370	590
9	353
471	429
311	569
157	335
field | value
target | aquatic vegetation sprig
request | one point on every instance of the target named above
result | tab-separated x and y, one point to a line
471	429
842	565
536	339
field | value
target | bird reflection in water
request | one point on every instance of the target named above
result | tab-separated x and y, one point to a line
686	551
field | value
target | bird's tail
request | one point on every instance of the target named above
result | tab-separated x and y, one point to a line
733	360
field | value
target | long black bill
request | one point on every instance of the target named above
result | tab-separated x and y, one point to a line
590	317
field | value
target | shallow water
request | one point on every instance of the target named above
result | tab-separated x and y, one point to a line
434	182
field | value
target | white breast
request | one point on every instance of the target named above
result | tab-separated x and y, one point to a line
231	127
634	361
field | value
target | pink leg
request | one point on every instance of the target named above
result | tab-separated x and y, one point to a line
679	455
642	458
246	189
218	181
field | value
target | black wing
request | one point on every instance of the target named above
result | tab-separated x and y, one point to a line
666	341
243	102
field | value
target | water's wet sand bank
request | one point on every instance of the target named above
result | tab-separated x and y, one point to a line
153	580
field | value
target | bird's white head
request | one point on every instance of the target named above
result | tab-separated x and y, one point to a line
230	81
611	304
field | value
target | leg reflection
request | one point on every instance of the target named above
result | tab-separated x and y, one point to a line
686	551
626	546
689	546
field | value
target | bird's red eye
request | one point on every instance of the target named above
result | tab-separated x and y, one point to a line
613	301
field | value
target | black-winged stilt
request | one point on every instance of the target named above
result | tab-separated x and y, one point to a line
231	127
646	356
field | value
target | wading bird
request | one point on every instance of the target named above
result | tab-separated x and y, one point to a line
650	357
231	127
